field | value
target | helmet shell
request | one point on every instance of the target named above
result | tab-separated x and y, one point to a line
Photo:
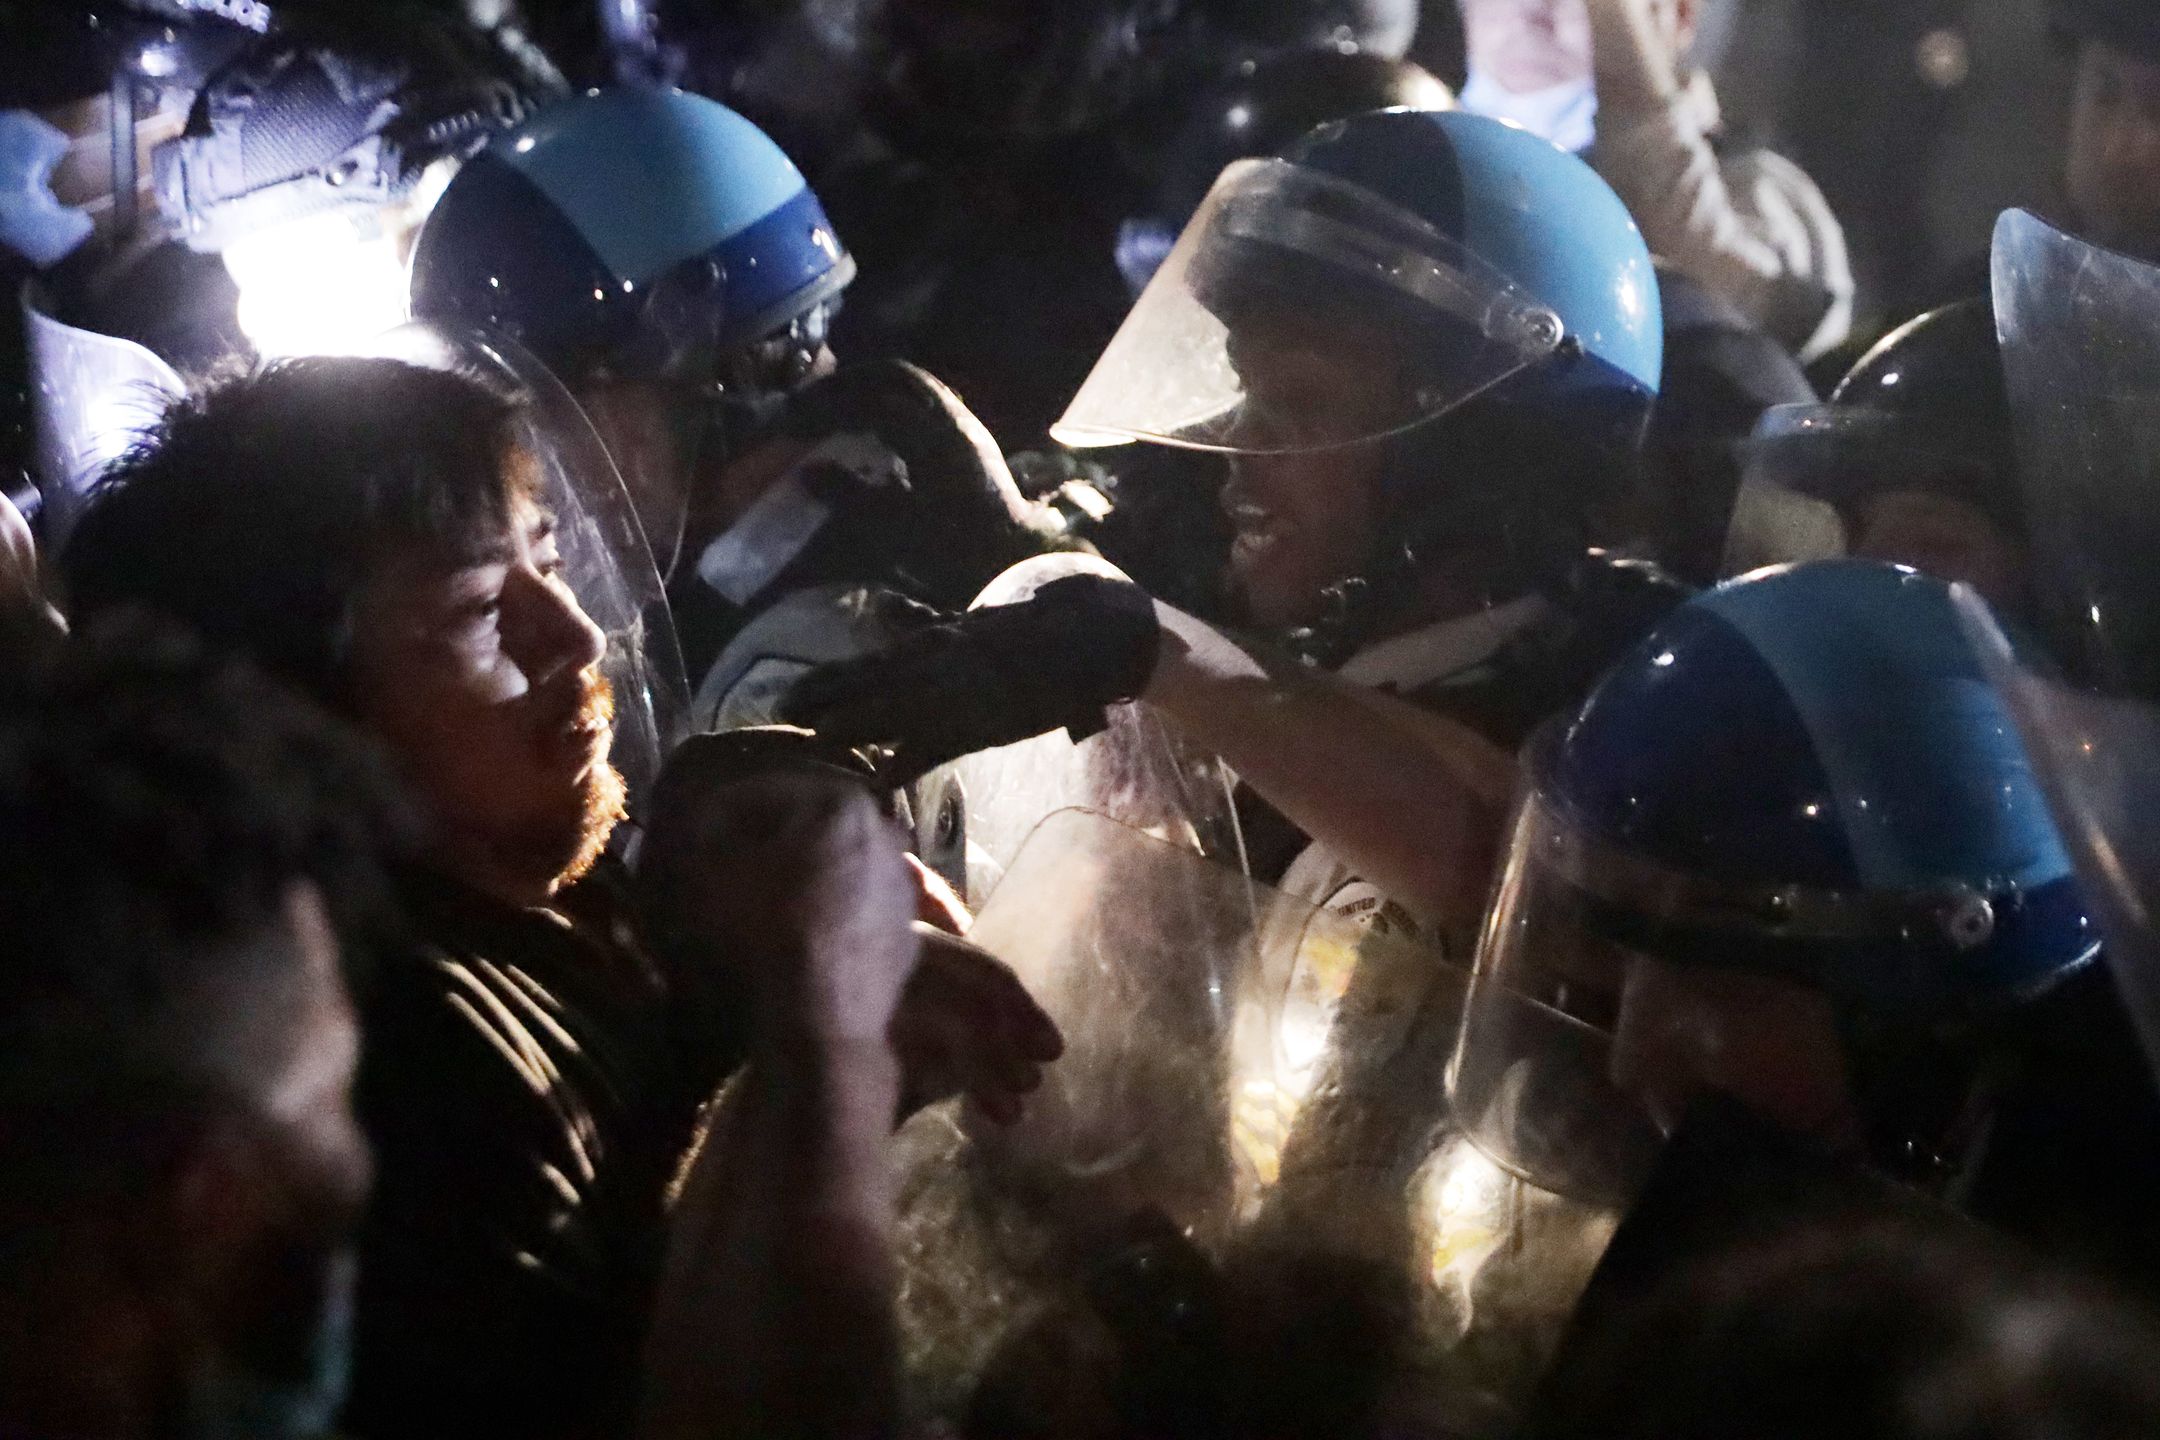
639	230
1827	729
1535	213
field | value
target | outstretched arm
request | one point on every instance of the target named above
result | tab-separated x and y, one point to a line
1412	801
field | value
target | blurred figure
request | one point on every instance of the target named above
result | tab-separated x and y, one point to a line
1746	222
1264	109
374	532
1004	149
1529	63
1892	1330
1912	462
2112	172
183	1169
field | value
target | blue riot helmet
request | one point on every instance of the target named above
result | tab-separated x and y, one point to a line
659	253
1790	850
640	233
1490	293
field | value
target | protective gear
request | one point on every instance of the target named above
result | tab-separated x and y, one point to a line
1266	107
1399	229
33	222
1801	780
641	233
318	119
606	561
1266	1081
2080	331
1398	245
1052	658
1925	411
896	486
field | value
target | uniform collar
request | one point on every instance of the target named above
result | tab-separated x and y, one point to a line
1436	652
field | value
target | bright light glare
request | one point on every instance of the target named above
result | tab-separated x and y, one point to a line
322	285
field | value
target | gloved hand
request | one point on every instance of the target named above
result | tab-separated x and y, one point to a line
989	677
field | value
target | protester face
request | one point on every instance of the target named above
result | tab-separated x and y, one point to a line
1684	1032
2113	171
1306	519
484	678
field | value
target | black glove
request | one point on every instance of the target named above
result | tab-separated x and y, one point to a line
990	677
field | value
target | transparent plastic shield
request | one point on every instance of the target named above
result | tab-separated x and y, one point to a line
1252	1090
2080	332
2098	759
606	561
1534	1078
1797	479
1300	312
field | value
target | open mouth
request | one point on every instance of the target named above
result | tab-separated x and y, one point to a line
579	732
1256	530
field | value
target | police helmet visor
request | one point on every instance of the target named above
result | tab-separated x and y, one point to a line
2080	333
1299	312
1814	477
606	561
1533	1082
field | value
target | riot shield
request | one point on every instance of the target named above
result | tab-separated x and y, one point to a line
606	561
2080	332
92	396
1244	1158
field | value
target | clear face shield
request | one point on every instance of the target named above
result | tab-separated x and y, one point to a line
606	561
1613	991
1821	482
2080	332
1299	312
1534	1080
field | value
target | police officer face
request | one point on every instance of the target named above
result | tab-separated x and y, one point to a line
484	678
1306	518
1686	1031
2113	172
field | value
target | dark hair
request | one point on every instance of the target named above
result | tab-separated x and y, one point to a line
158	805
261	506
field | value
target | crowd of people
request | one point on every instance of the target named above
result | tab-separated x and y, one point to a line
848	790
